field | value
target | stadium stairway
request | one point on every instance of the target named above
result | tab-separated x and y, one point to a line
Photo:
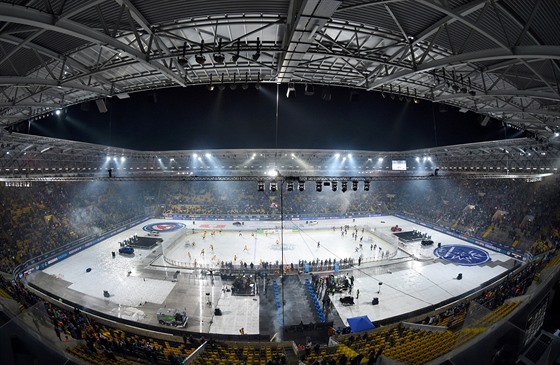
488	231
315	300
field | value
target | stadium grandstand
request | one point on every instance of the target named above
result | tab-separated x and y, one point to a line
446	254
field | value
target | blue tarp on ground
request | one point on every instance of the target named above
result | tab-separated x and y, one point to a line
361	323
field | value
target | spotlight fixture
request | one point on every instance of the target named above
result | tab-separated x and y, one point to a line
309	89
235	57
273	186
260	186
290	185
400	94
366	185
319	186
258	84
245	85
354	185
233	86
344	186
219	56
326	93
222	86
291	92
334	186
391	92
257	55
407	95
463	87
183	61
199	58
301	185
383	92
416	100
455	87
471	91
210	86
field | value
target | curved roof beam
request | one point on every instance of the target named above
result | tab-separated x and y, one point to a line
521	52
519	111
21	15
53	55
435	27
486	34
28	81
495	93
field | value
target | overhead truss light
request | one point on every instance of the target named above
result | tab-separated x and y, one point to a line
210	86
319	186
291	92
290	185
219	57
183	61
233	86
334	186
273	185
301	185
257	54
245	85
235	57
344	186
366	185
309	89
200	59
260	186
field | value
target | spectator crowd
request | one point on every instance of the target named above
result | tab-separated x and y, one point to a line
47	215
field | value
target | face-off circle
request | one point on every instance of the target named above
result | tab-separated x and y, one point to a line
163	227
462	255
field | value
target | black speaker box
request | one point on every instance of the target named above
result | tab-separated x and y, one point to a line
375	301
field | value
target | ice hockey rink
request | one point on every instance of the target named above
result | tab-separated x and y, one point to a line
412	276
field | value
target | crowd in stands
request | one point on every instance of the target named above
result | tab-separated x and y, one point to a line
506	210
48	215
110	343
371	345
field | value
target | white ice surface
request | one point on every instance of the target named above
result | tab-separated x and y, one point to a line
402	291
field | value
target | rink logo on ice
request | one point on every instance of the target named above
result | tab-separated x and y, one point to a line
462	255
163	227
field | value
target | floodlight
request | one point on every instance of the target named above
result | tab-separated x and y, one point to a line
219	56
344	186
354	185
291	92
301	185
319	186
366	185
334	186
260	185
257	54
273	186
290	186
200	59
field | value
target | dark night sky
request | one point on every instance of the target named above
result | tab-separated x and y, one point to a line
195	118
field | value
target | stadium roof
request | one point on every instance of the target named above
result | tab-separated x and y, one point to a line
28	157
497	58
